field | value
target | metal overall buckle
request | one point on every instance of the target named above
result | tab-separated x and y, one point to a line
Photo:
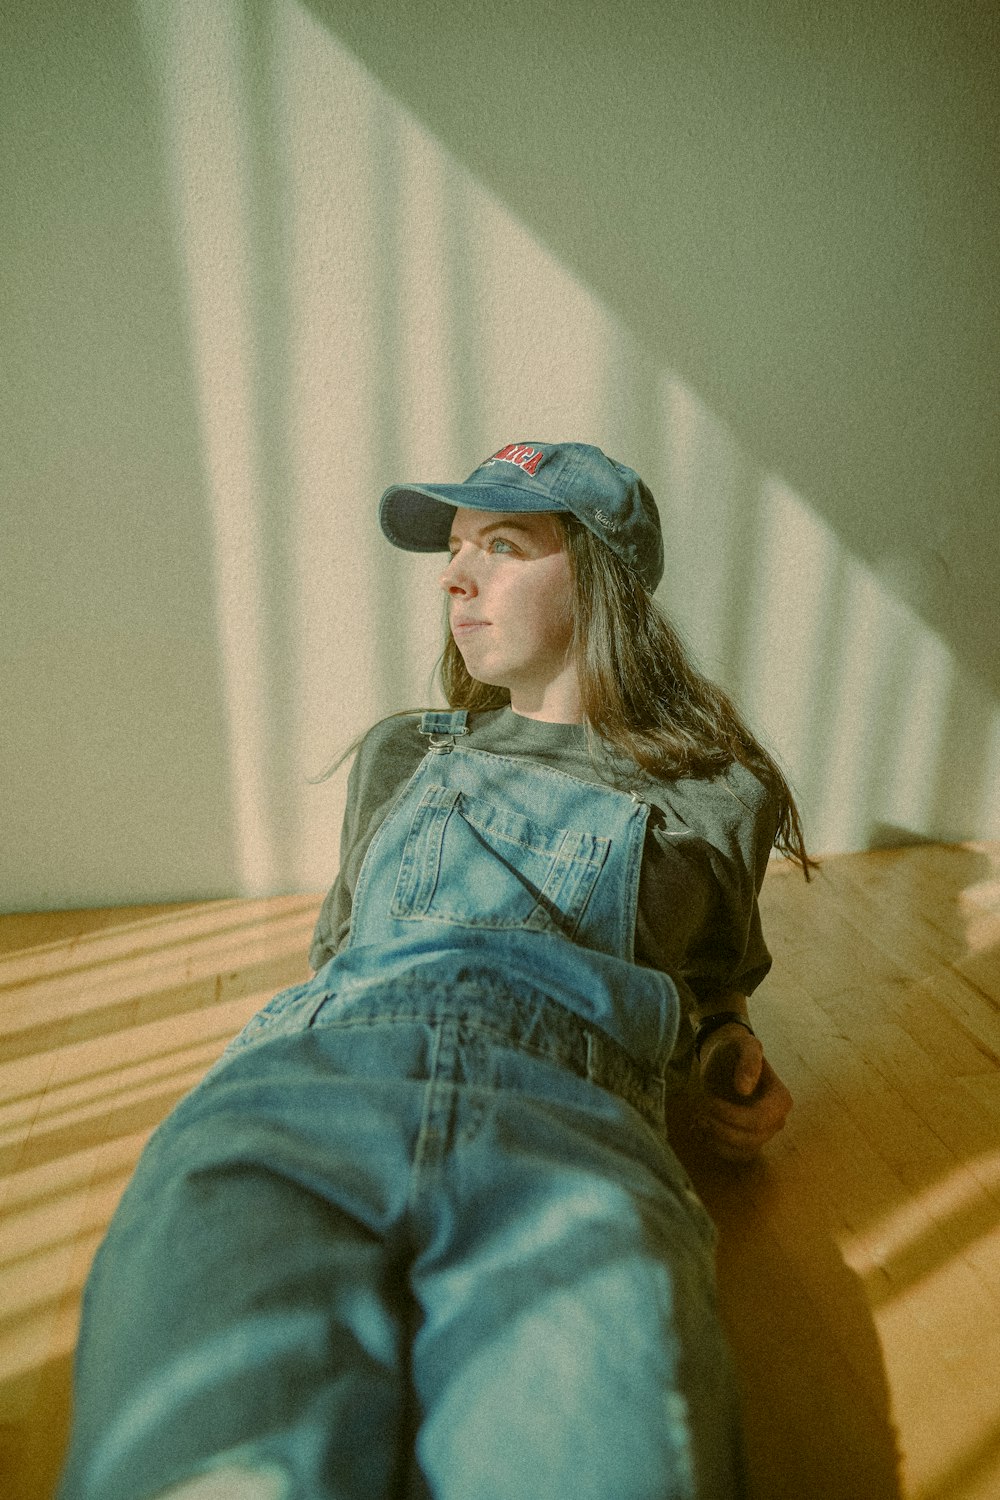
441	726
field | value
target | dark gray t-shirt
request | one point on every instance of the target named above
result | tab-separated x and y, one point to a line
706	850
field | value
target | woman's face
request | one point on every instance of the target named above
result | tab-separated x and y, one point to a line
510	594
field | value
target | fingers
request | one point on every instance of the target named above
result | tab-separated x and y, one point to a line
731	1064
751	1129
735	1143
739	1126
749	1067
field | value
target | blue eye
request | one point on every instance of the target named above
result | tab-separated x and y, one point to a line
501	544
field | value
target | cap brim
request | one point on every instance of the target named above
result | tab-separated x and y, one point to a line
418	517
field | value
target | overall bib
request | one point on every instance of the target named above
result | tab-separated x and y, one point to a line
418	1232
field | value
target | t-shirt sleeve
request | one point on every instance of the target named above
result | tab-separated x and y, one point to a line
386	759
730	952
706	853
334	921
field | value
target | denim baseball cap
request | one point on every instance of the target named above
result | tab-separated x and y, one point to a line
571	478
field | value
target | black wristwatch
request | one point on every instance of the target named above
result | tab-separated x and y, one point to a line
711	1023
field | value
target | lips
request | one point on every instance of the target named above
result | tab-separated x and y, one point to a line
464	625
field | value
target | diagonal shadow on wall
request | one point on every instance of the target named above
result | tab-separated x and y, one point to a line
792	210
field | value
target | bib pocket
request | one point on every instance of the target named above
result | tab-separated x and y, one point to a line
471	863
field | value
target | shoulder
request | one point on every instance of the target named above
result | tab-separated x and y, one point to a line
736	813
750	794
388	752
732	797
395	738
394	734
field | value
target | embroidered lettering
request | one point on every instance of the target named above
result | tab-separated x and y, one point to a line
520	454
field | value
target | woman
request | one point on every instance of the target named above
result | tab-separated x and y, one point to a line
419	1232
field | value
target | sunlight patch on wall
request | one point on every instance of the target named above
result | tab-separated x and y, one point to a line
928	669
427	327
701	497
884	678
421	325
336	336
373	398
195	50
987	814
425	331
791	585
839	676
371	375
544	342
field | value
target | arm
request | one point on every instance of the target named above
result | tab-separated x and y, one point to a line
386	758
739	1102
706	860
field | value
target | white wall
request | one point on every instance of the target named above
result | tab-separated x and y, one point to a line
250	279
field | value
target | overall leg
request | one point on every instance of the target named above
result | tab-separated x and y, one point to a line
248	1306
570	1345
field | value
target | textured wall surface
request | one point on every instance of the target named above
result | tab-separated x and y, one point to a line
262	259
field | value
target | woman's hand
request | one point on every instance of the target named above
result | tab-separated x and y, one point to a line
739	1101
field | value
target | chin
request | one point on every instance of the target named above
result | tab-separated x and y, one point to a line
481	673
486	679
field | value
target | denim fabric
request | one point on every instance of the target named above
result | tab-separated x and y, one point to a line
479	841
484	853
418	1232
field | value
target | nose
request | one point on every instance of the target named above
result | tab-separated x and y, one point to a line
456	579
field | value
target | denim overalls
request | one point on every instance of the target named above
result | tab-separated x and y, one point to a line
418	1232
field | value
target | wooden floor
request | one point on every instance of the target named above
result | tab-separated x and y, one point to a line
859	1263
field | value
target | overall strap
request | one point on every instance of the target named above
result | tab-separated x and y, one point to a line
442	725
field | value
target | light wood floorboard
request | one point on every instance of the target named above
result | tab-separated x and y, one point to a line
859	1261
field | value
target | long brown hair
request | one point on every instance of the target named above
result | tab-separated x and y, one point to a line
643	700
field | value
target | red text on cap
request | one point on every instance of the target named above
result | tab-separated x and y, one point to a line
526	458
